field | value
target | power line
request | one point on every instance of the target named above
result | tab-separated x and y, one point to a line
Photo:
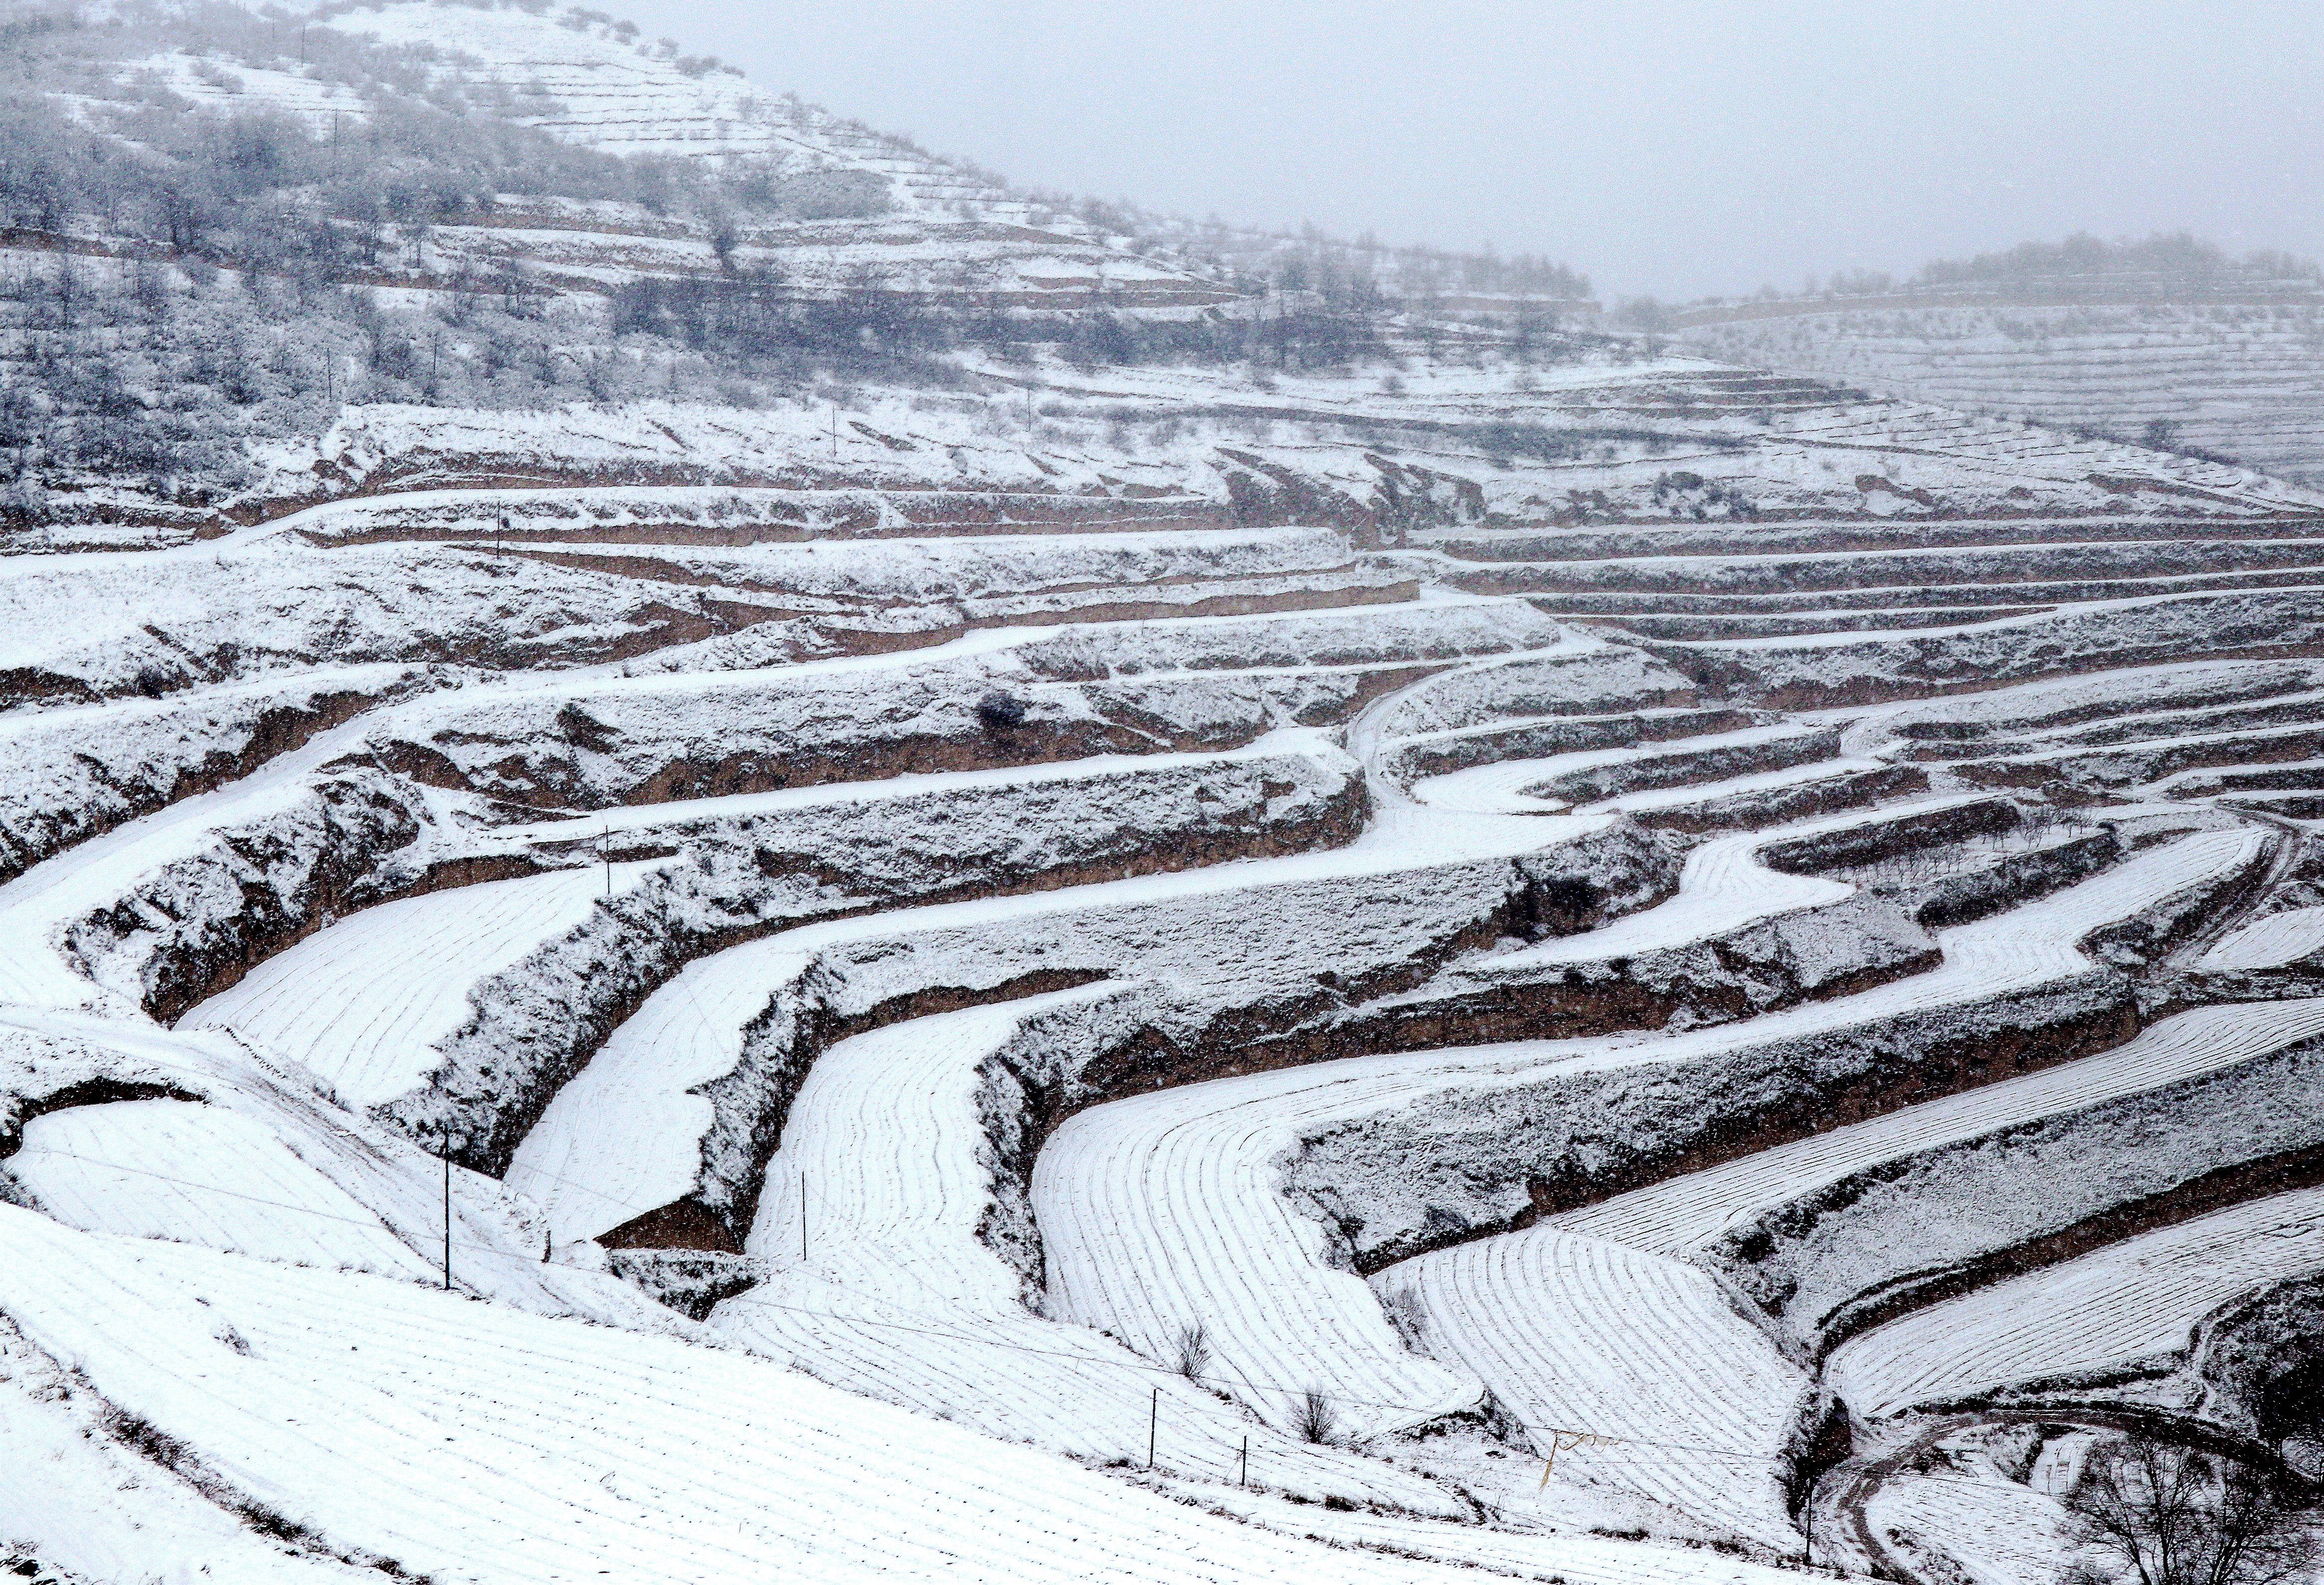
1562	1439
1247	1383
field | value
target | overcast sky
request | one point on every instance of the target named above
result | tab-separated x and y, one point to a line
1676	148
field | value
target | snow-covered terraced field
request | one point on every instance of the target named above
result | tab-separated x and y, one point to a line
1683	1213
2133	1304
1571	1333
475	1442
2234	378
885	1178
1995	1531
1164	1213
1202	967
628	1134
192	1174
2266	942
361	1004
1125	1194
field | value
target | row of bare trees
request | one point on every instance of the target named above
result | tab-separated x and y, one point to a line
2158	1513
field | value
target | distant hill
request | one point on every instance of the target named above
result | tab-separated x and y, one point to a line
2166	341
220	229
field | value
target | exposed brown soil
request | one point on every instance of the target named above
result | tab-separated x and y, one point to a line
1533	740
1877	841
682	1224
1942	1070
750	1102
1510	545
818	506
1728	679
343	884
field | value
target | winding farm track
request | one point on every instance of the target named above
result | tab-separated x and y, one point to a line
1860	1482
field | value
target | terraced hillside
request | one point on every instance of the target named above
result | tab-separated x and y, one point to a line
2233	373
1333	978
1445	962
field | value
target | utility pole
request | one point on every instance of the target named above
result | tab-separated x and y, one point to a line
802	1218
605	853
835	431
448	1207
1153	1422
1242	1471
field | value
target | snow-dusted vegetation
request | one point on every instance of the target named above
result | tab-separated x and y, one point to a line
1016	890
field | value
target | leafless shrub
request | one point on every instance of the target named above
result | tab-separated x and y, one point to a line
1316	1417
1191	1350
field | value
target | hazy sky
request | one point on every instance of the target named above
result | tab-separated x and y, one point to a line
1677	148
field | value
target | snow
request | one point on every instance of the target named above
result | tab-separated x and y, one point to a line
37	904
1282	743
2268	942
171	1169
1723	887
624	1135
1548	1558
477	1442
90	1504
1164	1210
1661	800
1576	1334
361	1004
1128	1194
237	88
846	1013
1998	1531
70	771
1685	1213
885	1173
1579	1101
2125	1304
2237	379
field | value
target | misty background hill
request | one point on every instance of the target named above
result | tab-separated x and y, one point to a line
225	229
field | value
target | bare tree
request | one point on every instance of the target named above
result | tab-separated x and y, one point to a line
1192	1345
2166	1515
1315	1418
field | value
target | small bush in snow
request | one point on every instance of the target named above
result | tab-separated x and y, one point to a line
1316	1417
1192	1351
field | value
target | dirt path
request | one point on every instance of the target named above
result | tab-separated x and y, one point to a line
1847	1530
